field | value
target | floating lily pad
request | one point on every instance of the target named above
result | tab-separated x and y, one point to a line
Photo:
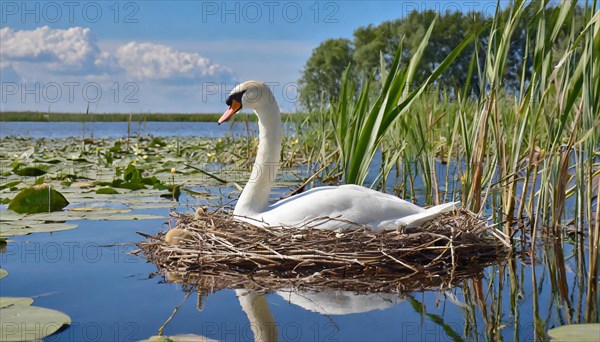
23	323
102	210
15	230
9	184
60	216
38	199
107	191
31	171
82	185
50	227
50	160
3	273
576	332
10	301
157	205
22	223
138	200
129	185
104	217
9	215
5	233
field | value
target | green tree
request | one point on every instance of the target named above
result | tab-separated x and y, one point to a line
322	74
371	41
321	77
450	30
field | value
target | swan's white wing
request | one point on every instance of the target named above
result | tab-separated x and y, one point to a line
349	202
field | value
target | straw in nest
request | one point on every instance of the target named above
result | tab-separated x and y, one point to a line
215	251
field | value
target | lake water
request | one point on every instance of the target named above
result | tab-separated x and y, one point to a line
118	129
88	274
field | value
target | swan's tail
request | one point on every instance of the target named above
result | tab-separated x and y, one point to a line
420	218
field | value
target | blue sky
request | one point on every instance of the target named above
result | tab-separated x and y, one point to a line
171	56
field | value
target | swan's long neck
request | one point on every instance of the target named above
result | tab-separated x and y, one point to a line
259	314
255	197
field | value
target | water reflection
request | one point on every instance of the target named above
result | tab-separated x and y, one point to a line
258	298
329	303
536	288
340	302
259	314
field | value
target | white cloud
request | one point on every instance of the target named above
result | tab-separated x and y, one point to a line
73	49
161	62
167	75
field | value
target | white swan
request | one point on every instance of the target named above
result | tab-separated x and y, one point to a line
349	202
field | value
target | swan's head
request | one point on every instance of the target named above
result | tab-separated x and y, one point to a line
250	94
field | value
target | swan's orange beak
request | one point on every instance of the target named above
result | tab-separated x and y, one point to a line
234	108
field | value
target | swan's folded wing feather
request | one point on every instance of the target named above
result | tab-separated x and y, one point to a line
349	202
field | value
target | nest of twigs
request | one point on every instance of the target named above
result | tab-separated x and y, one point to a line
216	252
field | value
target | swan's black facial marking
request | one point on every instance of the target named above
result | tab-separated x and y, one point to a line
235	96
234	104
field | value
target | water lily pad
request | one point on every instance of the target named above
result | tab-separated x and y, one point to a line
38	199
6	233
13	230
3	273
153	205
107	191
22	223
9	215
82	185
31	171
21	323
576	332
102	210
50	160
9	184
50	227
104	217
138	200
10	301
60	216
129	185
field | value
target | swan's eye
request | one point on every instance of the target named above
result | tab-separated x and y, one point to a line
235	96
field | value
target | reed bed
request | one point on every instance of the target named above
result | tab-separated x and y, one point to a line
524	150
216	251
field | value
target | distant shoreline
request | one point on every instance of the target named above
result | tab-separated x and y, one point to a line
112	117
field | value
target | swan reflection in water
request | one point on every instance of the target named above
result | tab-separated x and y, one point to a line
329	303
